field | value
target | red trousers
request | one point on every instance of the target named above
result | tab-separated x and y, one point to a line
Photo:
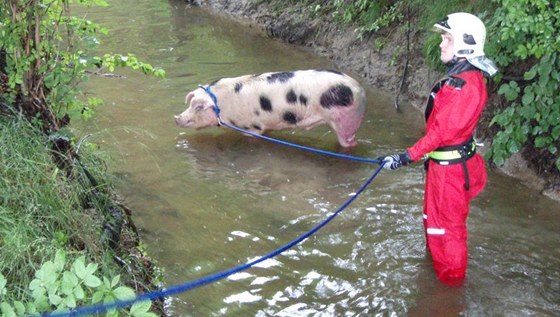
446	207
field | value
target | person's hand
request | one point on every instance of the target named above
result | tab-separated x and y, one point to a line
394	161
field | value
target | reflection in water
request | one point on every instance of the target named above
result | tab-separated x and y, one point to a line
210	200
264	167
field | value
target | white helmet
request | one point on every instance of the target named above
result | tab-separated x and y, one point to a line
468	31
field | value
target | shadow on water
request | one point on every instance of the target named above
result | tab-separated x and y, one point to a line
211	199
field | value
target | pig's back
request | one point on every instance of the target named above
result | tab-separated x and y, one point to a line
278	100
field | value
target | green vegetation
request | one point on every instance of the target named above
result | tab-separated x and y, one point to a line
523	39
54	216
58	212
46	214
38	203
528	49
45	52
58	287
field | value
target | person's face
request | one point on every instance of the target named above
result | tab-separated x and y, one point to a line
446	47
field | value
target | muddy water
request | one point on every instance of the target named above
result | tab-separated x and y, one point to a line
212	199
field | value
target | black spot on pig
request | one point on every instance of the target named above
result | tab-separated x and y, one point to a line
257	113
256	126
238	87
291	97
266	105
279	77
340	95
289	117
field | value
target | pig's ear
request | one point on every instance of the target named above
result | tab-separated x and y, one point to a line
190	96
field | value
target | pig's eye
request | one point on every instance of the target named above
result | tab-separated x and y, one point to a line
198	108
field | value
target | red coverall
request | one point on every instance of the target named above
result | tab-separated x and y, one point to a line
452	121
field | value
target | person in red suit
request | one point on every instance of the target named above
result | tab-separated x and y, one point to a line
455	172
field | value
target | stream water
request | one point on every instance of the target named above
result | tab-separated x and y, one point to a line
212	199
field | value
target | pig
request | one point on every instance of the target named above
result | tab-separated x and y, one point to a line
281	100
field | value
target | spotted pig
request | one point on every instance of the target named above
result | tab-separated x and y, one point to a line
281	100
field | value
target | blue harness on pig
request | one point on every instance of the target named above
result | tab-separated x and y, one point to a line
215	100
297	146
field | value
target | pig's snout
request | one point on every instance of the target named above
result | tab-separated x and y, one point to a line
183	122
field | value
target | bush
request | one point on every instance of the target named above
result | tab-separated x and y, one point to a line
60	287
48	202
45	52
527	49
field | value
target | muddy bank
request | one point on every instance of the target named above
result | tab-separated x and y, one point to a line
379	64
396	65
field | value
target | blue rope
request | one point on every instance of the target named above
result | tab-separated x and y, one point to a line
181	288
301	147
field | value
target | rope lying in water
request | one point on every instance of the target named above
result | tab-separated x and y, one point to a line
181	288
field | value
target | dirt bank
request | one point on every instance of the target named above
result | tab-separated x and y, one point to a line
380	61
377	64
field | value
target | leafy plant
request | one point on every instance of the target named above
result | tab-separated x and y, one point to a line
368	16
45	52
529	41
390	15
44	56
59	288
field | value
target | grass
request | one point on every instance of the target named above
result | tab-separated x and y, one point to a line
423	14
41	210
